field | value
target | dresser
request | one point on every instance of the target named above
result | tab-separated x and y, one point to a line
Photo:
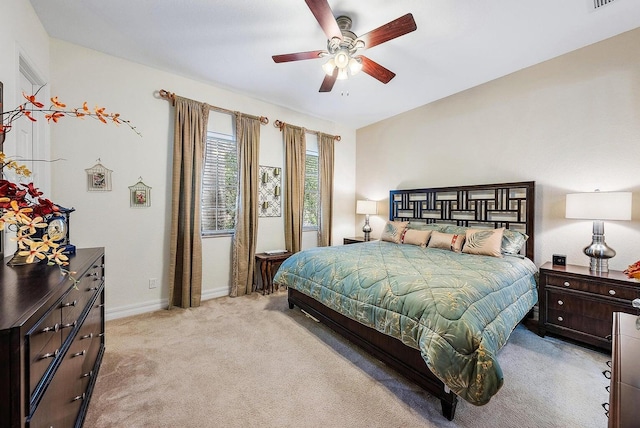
579	304
51	340
624	394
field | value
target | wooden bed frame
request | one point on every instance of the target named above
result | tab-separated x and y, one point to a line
510	205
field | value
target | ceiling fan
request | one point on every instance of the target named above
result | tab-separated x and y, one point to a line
343	45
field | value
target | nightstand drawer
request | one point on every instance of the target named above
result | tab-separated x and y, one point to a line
596	287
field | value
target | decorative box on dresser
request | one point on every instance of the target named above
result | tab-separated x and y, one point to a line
579	304
51	340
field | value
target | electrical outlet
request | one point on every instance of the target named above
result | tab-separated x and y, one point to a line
153	282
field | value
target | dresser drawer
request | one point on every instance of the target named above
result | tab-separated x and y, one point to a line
583	312
44	343
596	287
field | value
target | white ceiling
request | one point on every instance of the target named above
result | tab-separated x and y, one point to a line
458	44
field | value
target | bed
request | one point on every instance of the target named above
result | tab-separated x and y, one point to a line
437	315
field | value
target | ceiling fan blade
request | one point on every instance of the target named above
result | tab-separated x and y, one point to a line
298	56
396	28
329	81
374	69
322	11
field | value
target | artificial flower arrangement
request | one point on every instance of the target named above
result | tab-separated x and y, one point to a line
23	207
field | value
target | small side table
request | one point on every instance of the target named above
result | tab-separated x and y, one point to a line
268	266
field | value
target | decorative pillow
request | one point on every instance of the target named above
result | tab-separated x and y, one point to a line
484	242
418	225
416	237
513	242
446	241
393	231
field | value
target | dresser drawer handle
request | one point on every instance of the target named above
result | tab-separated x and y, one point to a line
560	302
79	397
607	374
79	354
608	337
612	292
71	324
87	336
101	305
55	328
90	374
101	335
560	319
66	305
92	289
50	355
567	284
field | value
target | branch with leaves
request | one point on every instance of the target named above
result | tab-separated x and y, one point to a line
56	111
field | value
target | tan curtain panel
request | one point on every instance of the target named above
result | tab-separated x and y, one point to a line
295	148
185	258
246	234
325	167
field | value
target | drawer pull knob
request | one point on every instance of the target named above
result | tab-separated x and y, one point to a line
66	305
79	397
56	327
612	292
560	319
560	302
87	336
50	354
89	374
636	303
101	335
80	354
567	284
101	305
92	289
71	324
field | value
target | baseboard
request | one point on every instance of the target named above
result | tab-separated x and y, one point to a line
156	305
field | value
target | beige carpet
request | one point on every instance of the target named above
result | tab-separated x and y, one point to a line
253	362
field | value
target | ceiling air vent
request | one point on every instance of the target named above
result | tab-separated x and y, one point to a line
599	3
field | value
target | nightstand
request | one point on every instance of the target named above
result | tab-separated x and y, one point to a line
353	240
579	304
269	264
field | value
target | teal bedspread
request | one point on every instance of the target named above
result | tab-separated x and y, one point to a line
457	309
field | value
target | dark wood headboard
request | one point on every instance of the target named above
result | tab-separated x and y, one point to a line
509	205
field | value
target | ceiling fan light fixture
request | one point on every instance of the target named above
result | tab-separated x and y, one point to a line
342	58
355	65
342	74
329	66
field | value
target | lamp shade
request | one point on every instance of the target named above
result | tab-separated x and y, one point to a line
599	205
366	207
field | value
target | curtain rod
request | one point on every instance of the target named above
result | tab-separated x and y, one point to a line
280	124
170	96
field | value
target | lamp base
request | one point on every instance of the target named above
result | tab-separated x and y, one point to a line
598	265
599	252
366	228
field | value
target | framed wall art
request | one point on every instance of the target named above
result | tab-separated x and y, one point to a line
270	190
98	178
140	195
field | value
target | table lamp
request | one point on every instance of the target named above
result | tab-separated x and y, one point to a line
599	206
366	208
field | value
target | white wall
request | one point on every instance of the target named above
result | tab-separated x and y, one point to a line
23	38
136	239
572	124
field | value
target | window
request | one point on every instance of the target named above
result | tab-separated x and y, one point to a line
311	192
219	177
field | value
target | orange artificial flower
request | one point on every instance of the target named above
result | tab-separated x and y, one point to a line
57	103
32	100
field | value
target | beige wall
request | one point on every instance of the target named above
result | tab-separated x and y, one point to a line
571	124
136	239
